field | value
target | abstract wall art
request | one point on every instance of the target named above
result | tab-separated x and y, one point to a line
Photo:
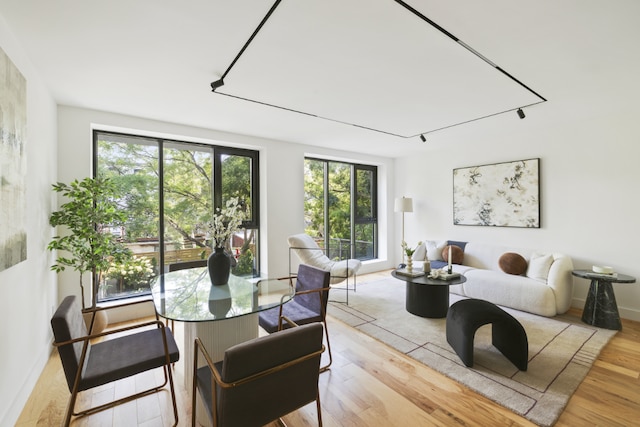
13	164
501	194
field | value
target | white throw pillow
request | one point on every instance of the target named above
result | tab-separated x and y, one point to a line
434	249
539	266
420	252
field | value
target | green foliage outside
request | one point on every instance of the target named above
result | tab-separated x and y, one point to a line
187	192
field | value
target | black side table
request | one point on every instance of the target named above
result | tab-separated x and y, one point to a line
600	308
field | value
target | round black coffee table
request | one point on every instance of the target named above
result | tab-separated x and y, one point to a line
428	297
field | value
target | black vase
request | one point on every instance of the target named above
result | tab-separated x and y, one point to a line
219	266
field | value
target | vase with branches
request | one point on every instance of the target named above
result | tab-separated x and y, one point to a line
224	223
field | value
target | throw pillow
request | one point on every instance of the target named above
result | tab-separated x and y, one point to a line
513	263
539	266
434	249
457	255
420	252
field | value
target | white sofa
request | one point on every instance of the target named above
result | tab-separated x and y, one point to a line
545	289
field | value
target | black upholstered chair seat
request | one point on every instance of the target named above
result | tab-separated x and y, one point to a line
106	362
301	315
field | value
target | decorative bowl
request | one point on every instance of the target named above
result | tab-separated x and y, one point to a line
602	269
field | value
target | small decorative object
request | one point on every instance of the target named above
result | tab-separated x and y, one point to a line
602	269
449	260
409	252
426	266
225	222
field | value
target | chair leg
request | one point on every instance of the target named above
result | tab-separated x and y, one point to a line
326	334
319	409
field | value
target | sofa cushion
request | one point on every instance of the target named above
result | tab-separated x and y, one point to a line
513	263
539	266
434	249
457	254
421	251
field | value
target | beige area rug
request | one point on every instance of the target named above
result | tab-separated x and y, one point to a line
561	350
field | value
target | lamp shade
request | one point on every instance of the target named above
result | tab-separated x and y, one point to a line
404	204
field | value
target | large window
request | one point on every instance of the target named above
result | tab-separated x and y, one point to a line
169	190
341	208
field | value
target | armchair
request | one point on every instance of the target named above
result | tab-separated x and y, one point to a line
88	364
260	380
308	251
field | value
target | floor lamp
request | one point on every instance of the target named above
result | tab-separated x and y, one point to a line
403	204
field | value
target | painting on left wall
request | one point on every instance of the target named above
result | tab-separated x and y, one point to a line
13	164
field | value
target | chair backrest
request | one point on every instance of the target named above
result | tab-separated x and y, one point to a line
268	397
312	278
187	264
68	324
309	252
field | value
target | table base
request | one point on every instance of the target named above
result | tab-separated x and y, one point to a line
427	300
601	309
217	337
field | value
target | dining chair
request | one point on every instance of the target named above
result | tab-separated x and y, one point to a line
308	252
261	380
90	361
309	305
187	264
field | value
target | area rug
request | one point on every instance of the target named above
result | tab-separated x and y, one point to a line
561	350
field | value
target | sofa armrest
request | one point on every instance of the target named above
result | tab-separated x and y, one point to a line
561	281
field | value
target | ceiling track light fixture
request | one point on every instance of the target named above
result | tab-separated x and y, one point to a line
215	85
220	82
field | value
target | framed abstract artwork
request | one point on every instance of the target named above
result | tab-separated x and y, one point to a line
13	164
501	194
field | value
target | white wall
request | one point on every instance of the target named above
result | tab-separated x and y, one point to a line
588	175
28	291
281	173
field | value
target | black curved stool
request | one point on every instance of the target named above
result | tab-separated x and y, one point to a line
507	334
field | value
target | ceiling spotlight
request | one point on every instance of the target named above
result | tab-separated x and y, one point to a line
521	113
215	85
423	138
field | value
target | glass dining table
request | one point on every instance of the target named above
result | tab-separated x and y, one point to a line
221	316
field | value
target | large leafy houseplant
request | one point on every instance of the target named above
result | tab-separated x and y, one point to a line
89	245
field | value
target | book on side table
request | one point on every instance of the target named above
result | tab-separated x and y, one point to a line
412	273
448	276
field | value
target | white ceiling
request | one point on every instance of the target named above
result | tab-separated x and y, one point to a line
368	63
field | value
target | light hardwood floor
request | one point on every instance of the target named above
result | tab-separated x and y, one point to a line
370	384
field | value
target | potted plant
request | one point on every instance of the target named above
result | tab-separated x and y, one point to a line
89	245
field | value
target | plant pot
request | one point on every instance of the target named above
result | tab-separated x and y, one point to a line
219	266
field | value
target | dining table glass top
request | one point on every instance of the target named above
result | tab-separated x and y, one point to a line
188	295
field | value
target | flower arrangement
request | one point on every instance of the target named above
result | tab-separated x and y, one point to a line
409	251
224	223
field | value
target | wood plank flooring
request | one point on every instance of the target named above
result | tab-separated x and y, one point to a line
370	384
